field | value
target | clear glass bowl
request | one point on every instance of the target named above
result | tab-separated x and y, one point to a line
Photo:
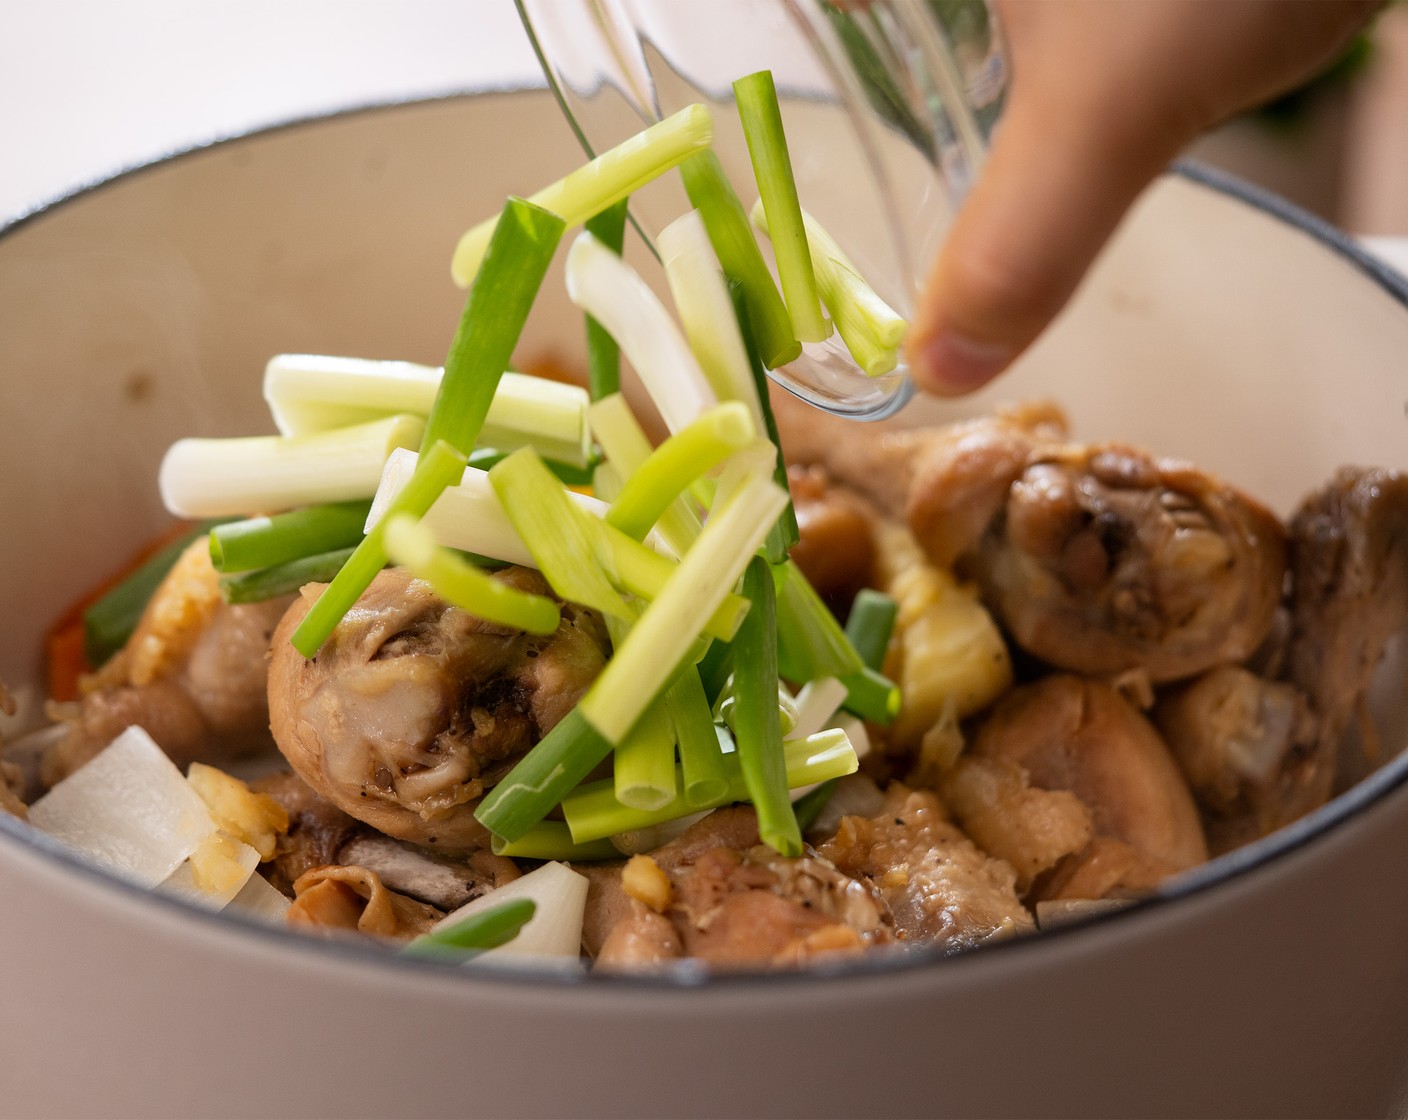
894	97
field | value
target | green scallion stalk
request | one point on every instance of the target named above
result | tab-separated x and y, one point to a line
610	290
263	542
252	474
654	486
605	181
701	297
523	240
413	546
808	807
729	233
562	543
283	579
109	622
553	840
872	696
715	667
488	929
785	533
756	726
644	573
488	457
761	115
592	812
627	448
870	624
603	355
437	469
703	776
643	665
811	643
871	329
645	762
670	625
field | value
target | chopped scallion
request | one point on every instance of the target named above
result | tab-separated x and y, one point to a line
756	726
761	115
811	643
553	840
870	624
592	812
413	546
488	929
872	696
606	180
263	542
519	250
703	776
603	355
283	579
727	223
645	762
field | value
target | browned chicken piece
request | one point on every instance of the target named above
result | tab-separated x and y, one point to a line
940	887
1349	595
414	708
1067	733
1247	747
1097	559
316	832
1105	559
836	551
355	900
887	464
194	675
1030	828
733	903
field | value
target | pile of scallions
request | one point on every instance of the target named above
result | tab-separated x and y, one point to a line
729	679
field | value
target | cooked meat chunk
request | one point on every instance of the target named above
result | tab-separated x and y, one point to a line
414	708
1247	747
1349	594
444	882
1032	829
317	829
354	899
836	551
939	886
1066	733
11	776
1097	559
194	675
1105	560
734	903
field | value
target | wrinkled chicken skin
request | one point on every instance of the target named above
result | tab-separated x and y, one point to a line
414	708
1081	736
355	900
940	887
193	675
734	904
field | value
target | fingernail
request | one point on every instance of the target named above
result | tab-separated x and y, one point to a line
952	363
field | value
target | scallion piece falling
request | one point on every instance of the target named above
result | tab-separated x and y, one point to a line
645	762
606	180
703	776
871	329
870	624
772	167
553	840
727	223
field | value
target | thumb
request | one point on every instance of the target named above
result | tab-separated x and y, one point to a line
1055	185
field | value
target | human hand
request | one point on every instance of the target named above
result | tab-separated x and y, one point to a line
1103	95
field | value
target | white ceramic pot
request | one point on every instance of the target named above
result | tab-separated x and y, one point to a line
1218	327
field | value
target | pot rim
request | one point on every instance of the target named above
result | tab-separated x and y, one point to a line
1216	874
